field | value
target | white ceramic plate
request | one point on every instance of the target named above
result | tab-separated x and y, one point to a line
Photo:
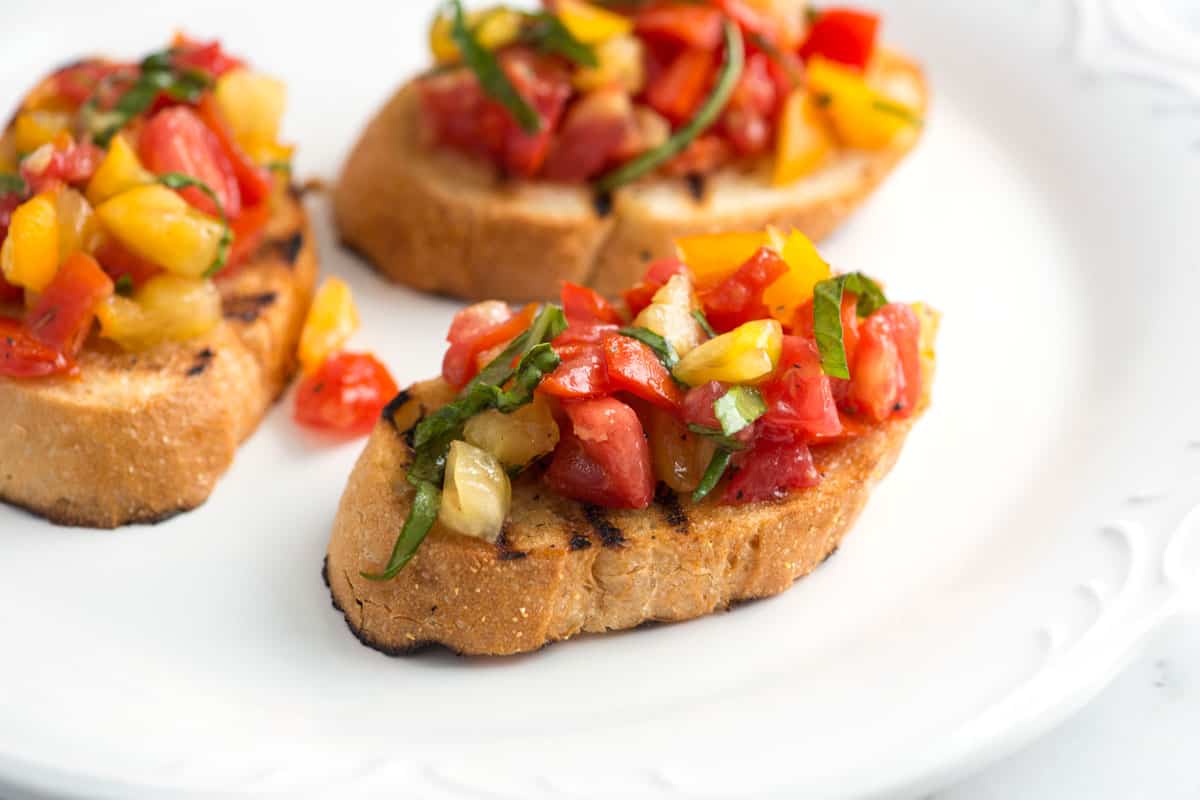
1037	525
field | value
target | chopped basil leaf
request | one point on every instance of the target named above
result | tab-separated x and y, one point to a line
723	441
425	506
712	475
487	69
547	33
663	349
157	74
827	316
738	408
727	80
124	286
12	183
177	181
897	110
698	315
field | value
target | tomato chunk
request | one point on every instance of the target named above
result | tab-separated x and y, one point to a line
656	277
476	330
70	162
843	35
585	307
205	56
800	396
885	378
633	367
345	395
22	356
65	311
739	298
581	373
697	26
680	89
119	261
770	471
177	140
253	181
748	119
591	136
602	456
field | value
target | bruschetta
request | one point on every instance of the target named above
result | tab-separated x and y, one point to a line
581	468
577	143
155	272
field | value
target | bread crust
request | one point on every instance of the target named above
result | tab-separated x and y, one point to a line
563	568
140	437
439	221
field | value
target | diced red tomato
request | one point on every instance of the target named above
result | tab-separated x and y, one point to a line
585	307
177	140
22	356
679	90
581	373
76	83
751	20
207	57
748	120
119	261
696	26
656	277
253	181
583	334
248	231
591	137
66	309
739	298
705	154
10	293
844	35
71	163
602	456
345	395
770	471
477	329
885	377
698	404
799	396
633	367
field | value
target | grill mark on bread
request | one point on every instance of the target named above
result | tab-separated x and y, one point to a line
249	307
398	402
610	535
288	248
673	512
200	363
697	186
580	542
504	550
602	202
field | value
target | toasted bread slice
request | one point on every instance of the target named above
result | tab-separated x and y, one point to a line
139	437
439	221
564	568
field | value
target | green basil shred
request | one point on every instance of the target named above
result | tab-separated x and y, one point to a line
738	408
712	476
717	436
433	435
731	73
546	32
12	183
827	316
487	69
663	350
698	315
177	181
157	73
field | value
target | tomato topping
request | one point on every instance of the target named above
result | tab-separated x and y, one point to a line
885	377
751	20
177	140
748	120
704	155
696	26
591	137
119	261
70	162
22	356
248	231
633	367
8	203
65	311
76	83
739	298
204	56
345	395
476	330
680	89
581	373
656	277
602	456
254	182
586	307
799	396
10	293
842	35
583	334
770	471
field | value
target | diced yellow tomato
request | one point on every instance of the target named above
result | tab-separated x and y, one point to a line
166	308
159	225
670	315
265	153
118	172
680	456
930	320
517	438
804	140
252	104
591	24
806	269
331	321
29	257
78	228
862	117
747	354
621	62
33	129
476	494
494	28
712	257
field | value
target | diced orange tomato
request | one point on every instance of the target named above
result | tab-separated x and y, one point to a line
806	269
63	315
29	256
861	116
712	257
119	171
804	140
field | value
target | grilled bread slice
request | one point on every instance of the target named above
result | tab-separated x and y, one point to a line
561	567
439	221
139	437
